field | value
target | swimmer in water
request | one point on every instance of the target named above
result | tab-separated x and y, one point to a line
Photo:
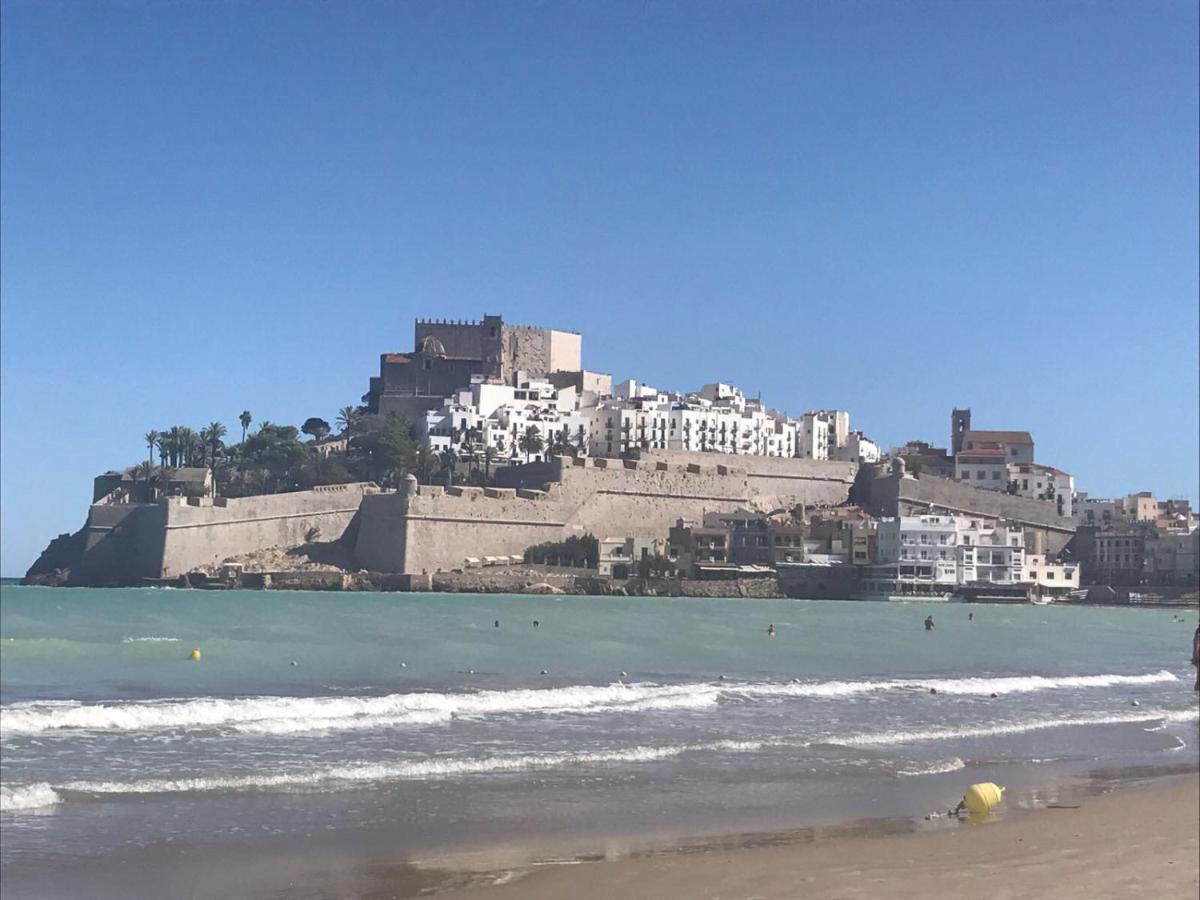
929	623
970	617
771	630
496	624
535	623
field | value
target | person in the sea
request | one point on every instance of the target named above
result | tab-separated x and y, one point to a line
970	617
929	623
1196	655
771	630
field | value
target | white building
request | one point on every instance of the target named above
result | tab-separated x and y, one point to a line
986	469
948	551
1043	483
858	448
812	437
1050	579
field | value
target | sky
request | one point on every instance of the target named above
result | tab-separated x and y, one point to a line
889	208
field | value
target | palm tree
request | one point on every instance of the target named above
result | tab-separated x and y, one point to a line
348	417
204	437
245	418
187	445
447	457
216	431
143	471
489	453
531	442
163	445
151	442
174	445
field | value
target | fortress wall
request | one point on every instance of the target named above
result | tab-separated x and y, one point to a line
428	528
123	543
777	482
217	529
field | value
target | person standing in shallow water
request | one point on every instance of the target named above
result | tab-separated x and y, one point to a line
929	623
1196	655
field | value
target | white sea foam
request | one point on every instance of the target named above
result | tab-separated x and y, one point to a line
422	769
1015	684
24	797
290	715
150	640
934	768
285	715
1002	728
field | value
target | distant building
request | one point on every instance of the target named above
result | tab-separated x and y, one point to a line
1016	446
1050	578
987	469
1042	483
692	547
924	459
447	355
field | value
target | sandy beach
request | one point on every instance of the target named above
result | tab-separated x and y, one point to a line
1136	842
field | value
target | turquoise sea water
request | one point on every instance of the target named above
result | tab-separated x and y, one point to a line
418	715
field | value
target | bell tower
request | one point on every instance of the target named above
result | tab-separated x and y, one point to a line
960	424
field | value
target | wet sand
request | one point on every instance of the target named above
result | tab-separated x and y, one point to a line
1137	842
1139	839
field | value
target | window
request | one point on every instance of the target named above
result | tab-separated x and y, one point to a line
1024	484
980	474
924	554
995	475
942	539
942	554
1012	451
924	539
1049	575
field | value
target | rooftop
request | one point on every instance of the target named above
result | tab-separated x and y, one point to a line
1006	437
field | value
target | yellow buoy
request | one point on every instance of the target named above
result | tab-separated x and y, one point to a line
980	798
195	657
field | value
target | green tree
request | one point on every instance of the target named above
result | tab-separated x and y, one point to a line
315	426
163	445
245	418
389	446
530	442
151	443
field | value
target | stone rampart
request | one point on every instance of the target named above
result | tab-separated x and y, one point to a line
776	482
429	528
201	532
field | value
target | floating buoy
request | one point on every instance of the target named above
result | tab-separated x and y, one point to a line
195	656
404	665
544	672
980	798
624	674
1134	703
293	662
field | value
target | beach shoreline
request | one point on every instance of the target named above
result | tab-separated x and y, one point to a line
1140	839
1117	834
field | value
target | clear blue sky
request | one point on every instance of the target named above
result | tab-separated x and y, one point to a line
893	208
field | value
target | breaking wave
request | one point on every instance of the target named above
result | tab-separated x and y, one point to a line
884	738
22	797
289	715
934	768
376	773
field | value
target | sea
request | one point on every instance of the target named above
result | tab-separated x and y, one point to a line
430	722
